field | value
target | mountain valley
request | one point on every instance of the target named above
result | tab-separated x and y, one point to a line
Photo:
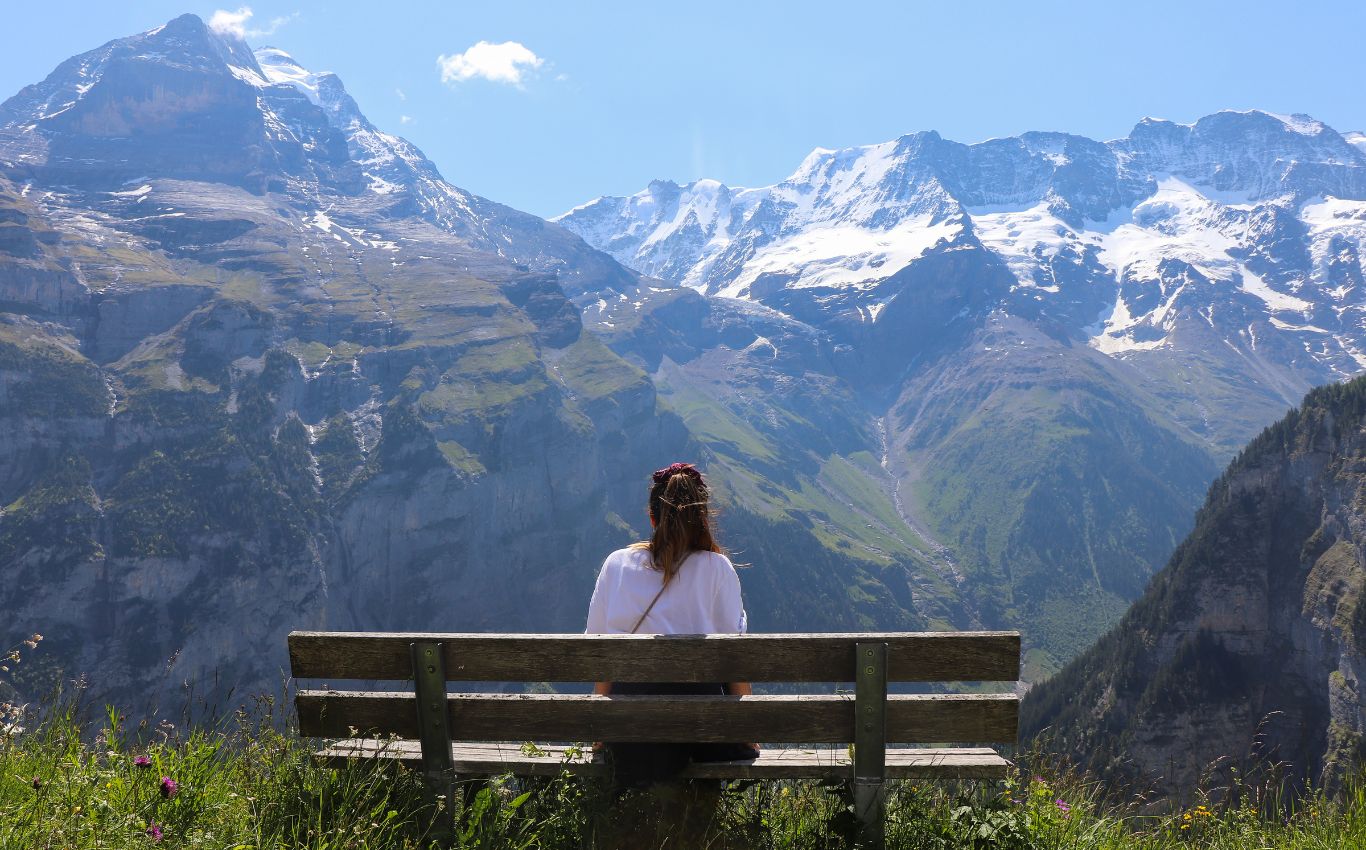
262	367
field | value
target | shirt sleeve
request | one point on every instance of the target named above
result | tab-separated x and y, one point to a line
729	605
597	607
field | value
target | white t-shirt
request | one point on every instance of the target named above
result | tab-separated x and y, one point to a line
702	598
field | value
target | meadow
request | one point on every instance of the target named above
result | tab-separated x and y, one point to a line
72	777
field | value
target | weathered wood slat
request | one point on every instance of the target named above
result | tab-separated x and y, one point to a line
988	718
911	657
494	759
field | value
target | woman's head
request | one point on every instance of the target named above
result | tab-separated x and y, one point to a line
681	516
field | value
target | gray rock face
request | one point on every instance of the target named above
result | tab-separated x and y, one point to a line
1247	648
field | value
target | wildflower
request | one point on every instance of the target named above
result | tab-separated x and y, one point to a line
37	783
142	762
1063	806
153	831
169	787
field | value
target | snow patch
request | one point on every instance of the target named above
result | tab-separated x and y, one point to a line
1302	124
1330	221
1025	238
844	257
281	69
380	186
1254	285
139	193
248	76
1286	326
1176	222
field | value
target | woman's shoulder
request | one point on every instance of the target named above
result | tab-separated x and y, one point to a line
630	556
715	561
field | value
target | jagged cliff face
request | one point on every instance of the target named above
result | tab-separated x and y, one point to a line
1249	645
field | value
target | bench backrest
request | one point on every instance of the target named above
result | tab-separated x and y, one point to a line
871	660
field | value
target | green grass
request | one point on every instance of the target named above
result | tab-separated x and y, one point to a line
592	371
47	380
240	783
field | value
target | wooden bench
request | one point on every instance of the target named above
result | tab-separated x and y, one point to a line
483	734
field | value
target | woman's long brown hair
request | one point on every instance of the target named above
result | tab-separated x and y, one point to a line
682	517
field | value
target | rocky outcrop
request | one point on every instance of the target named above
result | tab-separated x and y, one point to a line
1247	648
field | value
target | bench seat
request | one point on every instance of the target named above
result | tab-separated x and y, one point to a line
454	735
789	763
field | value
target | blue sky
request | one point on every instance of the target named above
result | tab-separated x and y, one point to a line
607	96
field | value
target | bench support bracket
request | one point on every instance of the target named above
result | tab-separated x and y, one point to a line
433	723
870	742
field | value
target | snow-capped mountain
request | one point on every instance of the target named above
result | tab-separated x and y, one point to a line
211	84
1248	222
181	102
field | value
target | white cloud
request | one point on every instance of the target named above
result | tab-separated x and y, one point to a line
234	24
498	63
405	119
224	22
401	95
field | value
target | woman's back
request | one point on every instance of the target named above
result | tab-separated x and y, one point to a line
679	582
703	596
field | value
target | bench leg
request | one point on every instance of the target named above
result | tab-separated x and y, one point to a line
870	807
441	792
870	742
434	731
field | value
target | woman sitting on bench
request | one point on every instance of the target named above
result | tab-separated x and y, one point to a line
678	582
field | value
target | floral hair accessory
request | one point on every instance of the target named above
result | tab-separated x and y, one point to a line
662	475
